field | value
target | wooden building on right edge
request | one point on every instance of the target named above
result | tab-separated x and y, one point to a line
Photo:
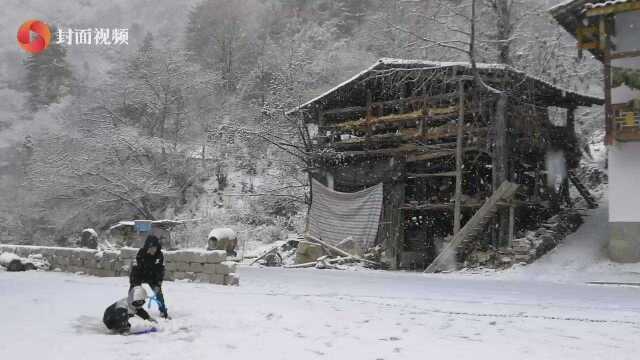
610	30
419	157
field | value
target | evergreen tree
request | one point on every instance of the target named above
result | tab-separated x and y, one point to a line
49	77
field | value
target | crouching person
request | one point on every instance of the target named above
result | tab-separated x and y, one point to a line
116	317
149	268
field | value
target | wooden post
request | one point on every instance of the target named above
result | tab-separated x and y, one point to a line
536	184
501	164
329	177
512	221
426	111
458	196
393	217
609	118
403	102
369	112
571	120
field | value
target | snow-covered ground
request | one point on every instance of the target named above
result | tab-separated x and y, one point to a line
323	314
580	258
541	311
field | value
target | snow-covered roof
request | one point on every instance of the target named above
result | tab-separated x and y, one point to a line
606	3
121	224
563	5
153	222
623	94
582	5
91	231
570	14
431	65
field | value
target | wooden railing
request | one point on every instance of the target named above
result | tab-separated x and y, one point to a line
627	126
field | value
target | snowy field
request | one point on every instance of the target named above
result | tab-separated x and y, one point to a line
542	311
322	314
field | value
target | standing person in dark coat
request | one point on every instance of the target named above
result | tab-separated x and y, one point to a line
149	268
116	317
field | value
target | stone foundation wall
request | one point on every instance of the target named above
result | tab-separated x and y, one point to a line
624	241
201	266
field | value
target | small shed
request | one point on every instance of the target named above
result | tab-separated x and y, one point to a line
133	233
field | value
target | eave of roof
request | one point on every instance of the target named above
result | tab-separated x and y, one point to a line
606	3
569	13
434	65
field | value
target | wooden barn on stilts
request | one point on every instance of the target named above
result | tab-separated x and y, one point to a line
443	139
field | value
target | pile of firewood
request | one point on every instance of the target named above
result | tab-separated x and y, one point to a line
547	237
336	256
309	251
531	247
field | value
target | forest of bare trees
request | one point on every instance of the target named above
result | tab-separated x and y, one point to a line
141	134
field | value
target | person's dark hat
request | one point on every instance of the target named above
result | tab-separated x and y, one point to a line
152	241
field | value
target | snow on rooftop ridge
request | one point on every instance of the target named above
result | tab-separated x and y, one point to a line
606	3
623	94
434	65
483	66
390	61
353	78
561	5
589	5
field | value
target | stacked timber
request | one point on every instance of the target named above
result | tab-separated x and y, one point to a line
529	248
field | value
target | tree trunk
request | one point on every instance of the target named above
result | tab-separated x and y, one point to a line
504	30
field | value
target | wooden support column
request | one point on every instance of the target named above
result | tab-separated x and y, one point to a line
404	106
571	120
369	112
573	155
501	164
536	184
393	218
512	223
608	117
427	115
329	178
457	216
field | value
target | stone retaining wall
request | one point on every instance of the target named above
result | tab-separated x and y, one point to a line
197	265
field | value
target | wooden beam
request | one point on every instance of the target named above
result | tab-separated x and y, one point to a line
396	120
609	129
369	115
402	102
346	110
442	174
440	153
511	225
501	162
445	206
457	215
626	54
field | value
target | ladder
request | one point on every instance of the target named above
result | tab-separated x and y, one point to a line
474	226
591	201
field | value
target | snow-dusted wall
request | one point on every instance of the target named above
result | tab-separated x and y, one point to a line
201	266
624	182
